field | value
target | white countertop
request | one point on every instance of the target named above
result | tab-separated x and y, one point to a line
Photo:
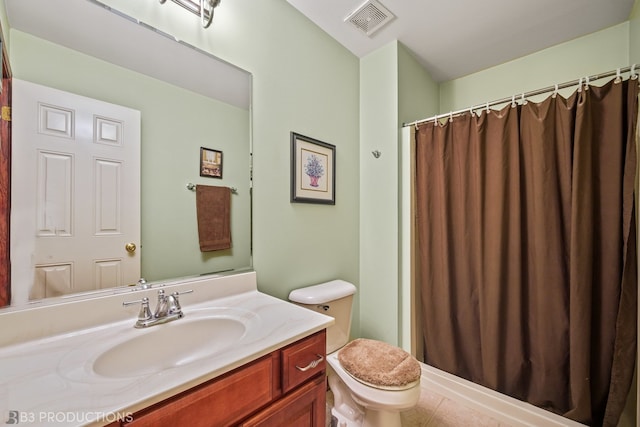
49	381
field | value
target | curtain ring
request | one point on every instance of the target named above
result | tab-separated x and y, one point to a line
555	91
471	111
435	120
618	76
513	101
416	125
524	100
580	85
633	71
450	116
487	108
586	83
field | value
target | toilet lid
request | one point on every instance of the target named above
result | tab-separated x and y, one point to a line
378	364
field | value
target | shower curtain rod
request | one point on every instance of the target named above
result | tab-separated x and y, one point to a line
525	95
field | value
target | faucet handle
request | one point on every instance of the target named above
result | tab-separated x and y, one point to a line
176	293
145	312
161	307
174	302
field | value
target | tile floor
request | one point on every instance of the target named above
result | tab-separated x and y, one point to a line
434	410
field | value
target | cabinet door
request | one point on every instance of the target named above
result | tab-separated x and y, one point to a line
304	407
219	403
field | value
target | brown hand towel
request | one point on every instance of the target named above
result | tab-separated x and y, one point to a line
213	207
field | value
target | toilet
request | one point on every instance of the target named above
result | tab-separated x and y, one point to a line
371	381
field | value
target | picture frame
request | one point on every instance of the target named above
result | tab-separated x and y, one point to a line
210	163
313	170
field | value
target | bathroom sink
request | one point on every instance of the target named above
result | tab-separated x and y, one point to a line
169	345
121	351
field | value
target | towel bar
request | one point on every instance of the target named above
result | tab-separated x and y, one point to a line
192	187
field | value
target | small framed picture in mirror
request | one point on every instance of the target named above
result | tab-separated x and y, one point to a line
210	163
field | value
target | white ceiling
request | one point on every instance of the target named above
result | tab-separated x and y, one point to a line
453	38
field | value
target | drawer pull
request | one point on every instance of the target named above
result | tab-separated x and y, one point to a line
311	365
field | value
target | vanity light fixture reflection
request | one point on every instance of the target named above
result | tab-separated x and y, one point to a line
202	8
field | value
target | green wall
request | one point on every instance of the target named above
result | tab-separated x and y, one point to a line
171	138
303	81
379	194
634	34
390	78
588	55
412	80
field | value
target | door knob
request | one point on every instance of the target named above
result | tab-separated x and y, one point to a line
130	247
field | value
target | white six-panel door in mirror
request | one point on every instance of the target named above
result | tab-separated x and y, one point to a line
65	138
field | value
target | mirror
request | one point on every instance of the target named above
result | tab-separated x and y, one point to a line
187	99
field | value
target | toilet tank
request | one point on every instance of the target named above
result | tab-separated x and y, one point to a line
333	299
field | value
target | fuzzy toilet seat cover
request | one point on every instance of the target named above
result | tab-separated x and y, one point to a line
379	364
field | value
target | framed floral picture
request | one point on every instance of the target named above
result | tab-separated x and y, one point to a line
313	171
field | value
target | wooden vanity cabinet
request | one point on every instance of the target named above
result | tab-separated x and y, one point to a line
270	391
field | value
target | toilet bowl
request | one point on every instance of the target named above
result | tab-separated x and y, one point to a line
357	402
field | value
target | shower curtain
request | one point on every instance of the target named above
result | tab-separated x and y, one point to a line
526	252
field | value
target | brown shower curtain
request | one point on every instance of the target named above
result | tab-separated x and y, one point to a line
527	250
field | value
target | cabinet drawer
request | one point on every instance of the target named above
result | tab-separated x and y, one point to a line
219	403
303	360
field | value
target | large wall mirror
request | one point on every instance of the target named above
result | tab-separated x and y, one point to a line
187	99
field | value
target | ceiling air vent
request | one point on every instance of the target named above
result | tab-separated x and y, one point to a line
370	17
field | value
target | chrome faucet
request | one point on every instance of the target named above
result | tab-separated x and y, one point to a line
167	309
